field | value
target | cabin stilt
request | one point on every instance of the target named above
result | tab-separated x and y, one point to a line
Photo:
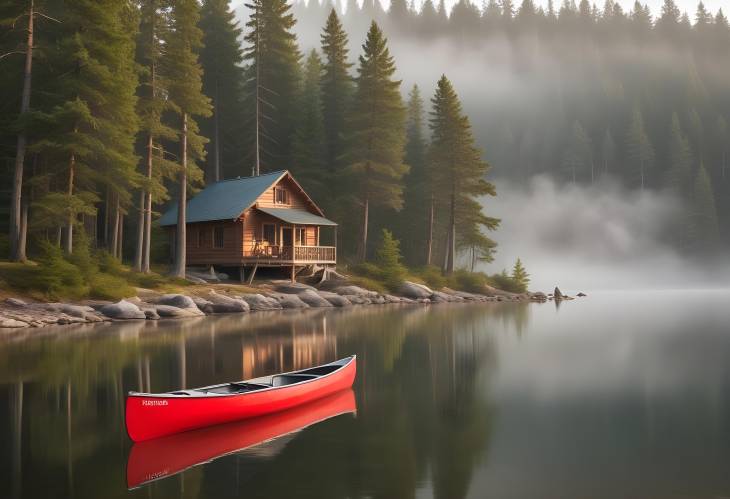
253	273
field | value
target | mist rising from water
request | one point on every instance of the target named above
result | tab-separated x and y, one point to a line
594	237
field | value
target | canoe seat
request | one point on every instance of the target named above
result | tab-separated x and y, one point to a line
236	388
290	379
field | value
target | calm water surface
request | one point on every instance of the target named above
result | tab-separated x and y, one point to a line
621	395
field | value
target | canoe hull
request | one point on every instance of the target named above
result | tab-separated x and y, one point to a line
151	416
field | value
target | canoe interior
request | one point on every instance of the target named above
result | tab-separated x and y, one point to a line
262	383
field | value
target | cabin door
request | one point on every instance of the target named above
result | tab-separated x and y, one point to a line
287	237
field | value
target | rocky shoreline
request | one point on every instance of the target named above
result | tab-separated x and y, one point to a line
215	299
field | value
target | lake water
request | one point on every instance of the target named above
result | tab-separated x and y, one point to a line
620	395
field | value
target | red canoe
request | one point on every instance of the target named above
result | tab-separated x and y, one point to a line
164	457
152	415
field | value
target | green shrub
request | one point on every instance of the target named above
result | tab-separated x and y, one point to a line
367	269
110	287
150	281
82	257
432	276
388	261
368	283
505	282
109	264
57	276
472	282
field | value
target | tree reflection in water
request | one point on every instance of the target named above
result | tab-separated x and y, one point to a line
423	397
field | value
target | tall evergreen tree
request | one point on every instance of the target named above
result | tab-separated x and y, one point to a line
458	170
639	151
336	89
152	103
679	173
705	231
375	157
186	96
221	58
91	129
578	157
417	216
608	153
273	82
308	145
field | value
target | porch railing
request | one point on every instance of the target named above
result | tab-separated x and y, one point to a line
297	253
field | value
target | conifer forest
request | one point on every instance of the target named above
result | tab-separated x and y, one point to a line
114	110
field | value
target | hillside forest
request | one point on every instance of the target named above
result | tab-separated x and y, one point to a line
112	110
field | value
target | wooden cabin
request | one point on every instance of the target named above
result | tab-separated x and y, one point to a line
251	222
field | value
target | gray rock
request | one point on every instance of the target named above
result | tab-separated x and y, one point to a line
581	294
377	300
392	299
538	296
176	312
6	322
176	300
353	290
73	310
195	280
335	299
446	297
289	300
222	304
413	290
15	302
259	303
151	314
203	305
311	298
557	294
292	287
122	310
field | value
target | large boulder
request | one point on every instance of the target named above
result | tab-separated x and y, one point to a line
292	287
6	322
392	299
446	297
123	310
80	311
222	304
15	302
313	299
353	290
288	300
176	300
415	290
176	312
203	305
358	299
335	299
258	302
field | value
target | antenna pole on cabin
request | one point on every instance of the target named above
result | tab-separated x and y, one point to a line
258	63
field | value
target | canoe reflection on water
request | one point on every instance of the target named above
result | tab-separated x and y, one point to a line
163	457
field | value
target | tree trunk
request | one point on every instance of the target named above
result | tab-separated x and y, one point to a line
120	236
429	239
216	139
17	234
452	235
71	215
180	233
362	250
137	267
112	247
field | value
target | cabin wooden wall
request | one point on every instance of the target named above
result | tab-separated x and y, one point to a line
296	198
205	253
253	229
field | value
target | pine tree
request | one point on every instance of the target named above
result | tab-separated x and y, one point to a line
608	152
639	151
90	140
308	145
458	170
151	105
186	96
336	90
520	275
417	215
388	260
221	58
578	156
273	82
679	173
705	232
375	157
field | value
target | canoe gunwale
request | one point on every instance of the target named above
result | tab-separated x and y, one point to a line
191	395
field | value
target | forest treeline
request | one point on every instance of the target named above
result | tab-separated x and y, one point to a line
129	106
581	91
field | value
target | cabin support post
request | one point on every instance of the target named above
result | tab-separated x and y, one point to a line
293	273
253	273
241	274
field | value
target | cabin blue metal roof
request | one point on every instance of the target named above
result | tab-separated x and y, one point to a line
294	216
224	200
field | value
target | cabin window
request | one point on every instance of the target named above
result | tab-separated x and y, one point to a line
269	234
201	237
218	237
281	196
301	236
